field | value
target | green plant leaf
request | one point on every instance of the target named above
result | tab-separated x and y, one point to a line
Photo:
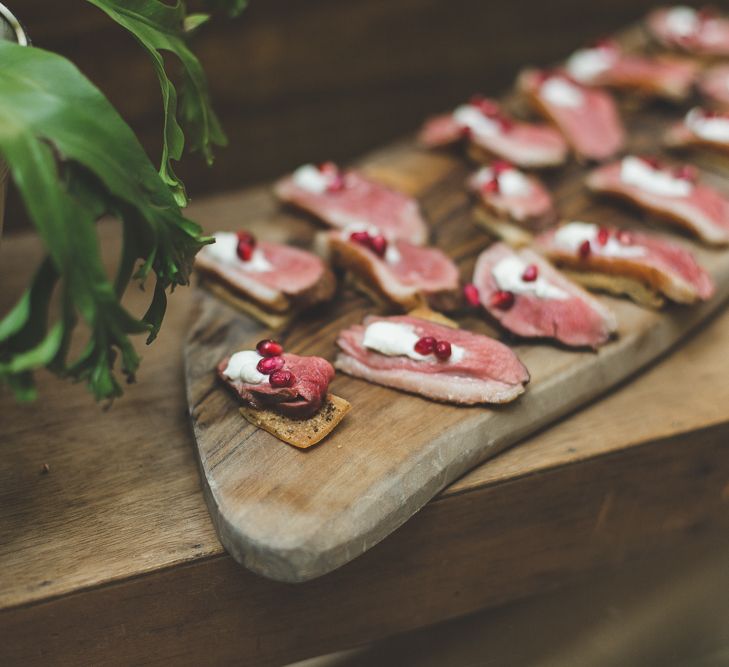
73	158
161	27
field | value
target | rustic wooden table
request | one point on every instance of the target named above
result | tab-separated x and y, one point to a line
110	555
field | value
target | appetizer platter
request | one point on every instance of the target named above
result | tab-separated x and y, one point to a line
375	331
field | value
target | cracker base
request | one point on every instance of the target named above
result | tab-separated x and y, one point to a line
503	230
300	433
619	286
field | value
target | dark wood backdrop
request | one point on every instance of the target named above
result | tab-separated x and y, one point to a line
298	80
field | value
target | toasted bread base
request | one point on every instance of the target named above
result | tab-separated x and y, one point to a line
271	320
502	229
619	286
300	433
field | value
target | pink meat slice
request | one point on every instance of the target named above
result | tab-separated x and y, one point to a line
714	84
417	269
666	265
711	38
489	372
593	129
704	211
578	321
360	203
299	401
293	271
534	208
667	76
527	145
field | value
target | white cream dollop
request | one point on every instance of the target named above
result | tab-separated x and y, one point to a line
572	235
562	93
512	182
508	276
225	251
711	128
682	21
310	178
242	366
586	64
392	254
469	116
638	173
398	340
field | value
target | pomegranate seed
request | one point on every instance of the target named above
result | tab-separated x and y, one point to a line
498	167
530	273
268	365
443	350
584	250
502	299
336	184
470	291
363	238
505	123
651	161
491	186
328	167
486	106
624	237
466	132
269	348
247	237
244	250
687	172
603	235
379	245
281	378
425	345
542	76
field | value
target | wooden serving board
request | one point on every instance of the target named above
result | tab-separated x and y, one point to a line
293	515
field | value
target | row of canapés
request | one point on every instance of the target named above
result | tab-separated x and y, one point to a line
531	281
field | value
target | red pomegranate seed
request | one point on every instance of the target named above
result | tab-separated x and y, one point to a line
247	237
491	186
425	345
603	235
281	378
466	132
336	183
486	106
502	299
506	123
498	167
530	273
328	167
443	350
269	348
470	291
624	237
268	365
585	249
363	238
651	161
244	250
687	172
379	245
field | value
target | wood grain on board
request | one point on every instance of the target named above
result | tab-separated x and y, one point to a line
293	515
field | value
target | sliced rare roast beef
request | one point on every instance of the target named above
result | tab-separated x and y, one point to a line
298	395
512	195
587	117
404	274
699	32
605	64
671	193
491	132
647	259
348	200
532	299
700	128
274	275
432	360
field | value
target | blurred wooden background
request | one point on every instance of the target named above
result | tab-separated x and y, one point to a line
299	80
